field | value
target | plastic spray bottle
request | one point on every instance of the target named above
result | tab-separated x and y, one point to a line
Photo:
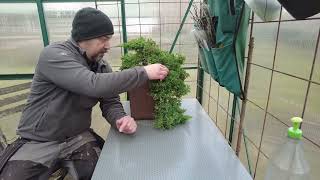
288	162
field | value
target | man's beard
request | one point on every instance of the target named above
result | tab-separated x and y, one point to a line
98	57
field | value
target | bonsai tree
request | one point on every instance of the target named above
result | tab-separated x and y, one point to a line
166	93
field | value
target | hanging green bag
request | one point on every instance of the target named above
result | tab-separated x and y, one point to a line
210	64
231	33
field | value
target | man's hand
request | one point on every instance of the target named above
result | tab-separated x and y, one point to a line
156	71
126	125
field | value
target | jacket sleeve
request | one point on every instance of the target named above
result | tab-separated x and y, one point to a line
62	69
111	108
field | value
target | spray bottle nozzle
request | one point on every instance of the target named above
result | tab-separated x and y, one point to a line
294	132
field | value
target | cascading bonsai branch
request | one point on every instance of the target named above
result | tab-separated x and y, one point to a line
166	93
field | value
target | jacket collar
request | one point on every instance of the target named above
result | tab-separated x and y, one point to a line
76	45
93	65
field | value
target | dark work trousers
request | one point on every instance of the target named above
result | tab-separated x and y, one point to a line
38	160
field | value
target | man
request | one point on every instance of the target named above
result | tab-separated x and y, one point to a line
70	78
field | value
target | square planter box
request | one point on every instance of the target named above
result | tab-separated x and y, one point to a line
141	103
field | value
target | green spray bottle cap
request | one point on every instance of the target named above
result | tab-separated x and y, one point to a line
294	132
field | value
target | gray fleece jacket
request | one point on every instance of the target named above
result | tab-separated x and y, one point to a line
64	90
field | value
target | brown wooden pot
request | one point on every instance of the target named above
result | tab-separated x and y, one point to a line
141	103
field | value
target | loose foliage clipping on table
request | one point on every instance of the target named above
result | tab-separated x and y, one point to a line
167	93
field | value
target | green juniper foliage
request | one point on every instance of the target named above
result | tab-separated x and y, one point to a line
166	93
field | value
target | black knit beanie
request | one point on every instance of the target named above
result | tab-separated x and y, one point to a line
90	23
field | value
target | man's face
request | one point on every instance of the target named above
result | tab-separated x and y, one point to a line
98	47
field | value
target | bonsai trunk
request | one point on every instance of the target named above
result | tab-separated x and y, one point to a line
141	103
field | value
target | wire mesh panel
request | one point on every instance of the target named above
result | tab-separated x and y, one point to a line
281	87
284	82
296	47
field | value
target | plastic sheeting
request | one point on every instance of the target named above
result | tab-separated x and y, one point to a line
267	10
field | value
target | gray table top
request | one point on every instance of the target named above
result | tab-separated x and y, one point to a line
193	151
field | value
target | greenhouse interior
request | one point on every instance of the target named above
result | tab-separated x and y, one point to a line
252	66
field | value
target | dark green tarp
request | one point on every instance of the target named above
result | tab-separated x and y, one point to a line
226	62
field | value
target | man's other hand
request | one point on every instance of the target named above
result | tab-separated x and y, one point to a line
126	125
156	71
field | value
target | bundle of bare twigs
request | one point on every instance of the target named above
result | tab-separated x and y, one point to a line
204	24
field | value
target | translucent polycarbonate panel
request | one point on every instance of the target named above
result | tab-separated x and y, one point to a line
264	43
215	89
9	125
186	36
212	110
116	39
19	30
136	1
315	16
235	134
167	47
193	89
149	10
191	81
134	31
132	9
113	57
222	120
170	13
206	82
113	11
163	1
229	116
316	70
253	123
312	155
168	33
99	123
248	154
13	96
151	31
192	75
205	93
184	7
142	20
285	15
296	47
205	102
147	31
261	167
287	97
191	53
59	17
224	97
275	134
259	85
311	123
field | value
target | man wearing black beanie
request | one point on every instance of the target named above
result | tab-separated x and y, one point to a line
69	80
